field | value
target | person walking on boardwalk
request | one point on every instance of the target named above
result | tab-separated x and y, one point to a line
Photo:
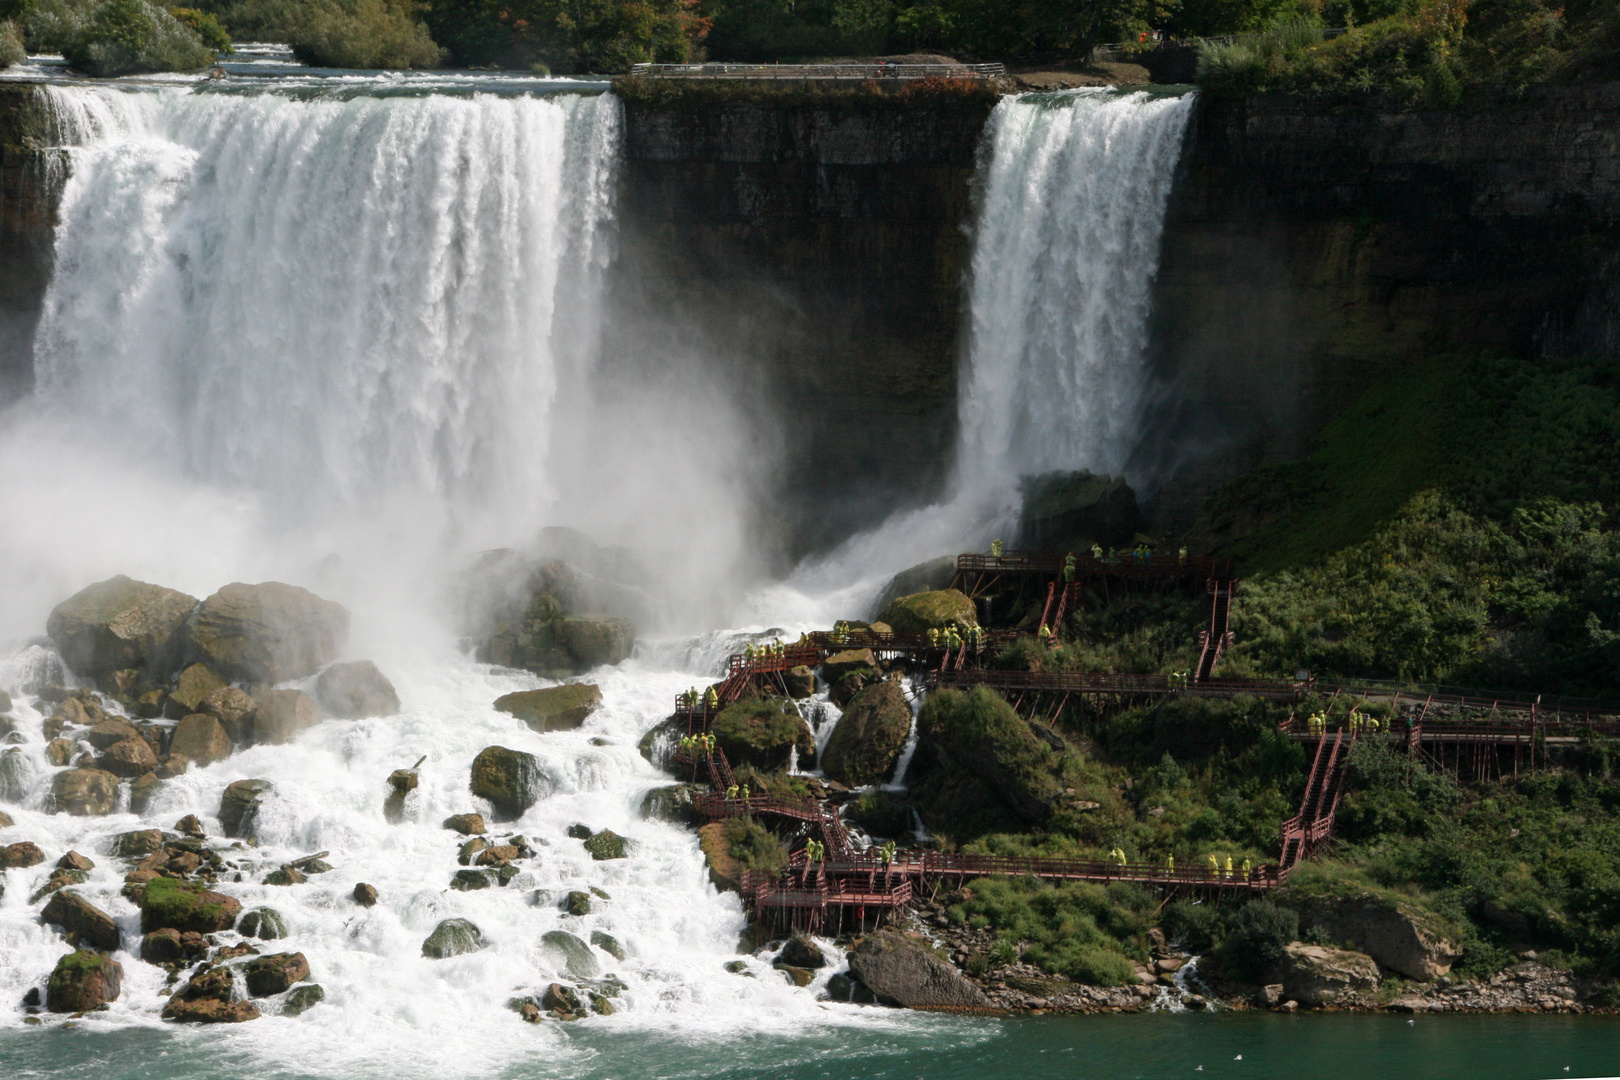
1096	552
711	699
731	793
1247	869
995	549
1214	867
744	793
1181	556
1068	569
1118	856
1229	868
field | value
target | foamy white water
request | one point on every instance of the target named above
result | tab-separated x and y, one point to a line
1073	188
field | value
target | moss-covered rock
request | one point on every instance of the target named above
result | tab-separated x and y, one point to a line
452	937
761	734
925	611
556	708
82	981
186	905
980	732
851	661
510	779
269	632
355	690
606	845
302	999
120	623
867	742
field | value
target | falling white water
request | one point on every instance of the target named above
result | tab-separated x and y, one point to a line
1073	188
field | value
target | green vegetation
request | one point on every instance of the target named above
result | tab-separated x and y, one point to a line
754	846
114	37
760	733
359	34
12	50
1087	933
206	27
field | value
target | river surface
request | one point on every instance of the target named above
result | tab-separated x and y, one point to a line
1302	1047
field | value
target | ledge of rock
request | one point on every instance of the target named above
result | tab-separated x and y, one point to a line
556	708
903	970
119	624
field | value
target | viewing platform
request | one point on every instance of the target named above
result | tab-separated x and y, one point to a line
879	70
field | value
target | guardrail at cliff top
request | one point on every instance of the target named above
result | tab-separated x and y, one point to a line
859	72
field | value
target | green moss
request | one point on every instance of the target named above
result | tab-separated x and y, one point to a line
183	905
762	734
754	846
1088	933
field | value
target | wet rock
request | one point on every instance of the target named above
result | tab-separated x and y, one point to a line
173	765
173	947
202	739
797	976
672	804
74	861
268	633
302	999
510	779
5	703
452	937
59	879
851	662
1396	934
82	981
193	685
659	743
206	999
596	642
365	895
903	970
120	623
191	825
136	844
404	780
577	902
928	576
556	708
473	880
761	734
16	776
499	853
282	714
563	1001
263	923
925	611
570	953
608	944
82	921
233	708
286	875
60	751
185	905
606	845
801	952
274	974
22	854
1070	511
142	791
239	803
470	850
1315	975
578	831
5	820
867	742
466	824
129	758
800	681
354	690
105	734
85	792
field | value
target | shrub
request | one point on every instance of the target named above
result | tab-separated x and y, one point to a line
754	846
11	45
1080	931
359	34
1256	938
116	37
206	27
1195	926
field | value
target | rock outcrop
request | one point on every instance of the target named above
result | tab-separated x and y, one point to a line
169	903
82	981
545	633
556	708
269	632
510	779
119	624
193	685
82	922
761	734
980	732
867	742
922	612
1316	975
1394	933
1071	511
903	970
355	690
239	803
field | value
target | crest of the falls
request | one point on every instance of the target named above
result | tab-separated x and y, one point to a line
1072	191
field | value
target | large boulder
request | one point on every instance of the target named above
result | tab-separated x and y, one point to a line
851	662
233	708
1316	975
596	642
867	742
761	734
107	733
980	732
128	758
81	921
19	856
672	804
556	708
238	805
452	937
263	923
351	691
202	738
903	970
169	903
1393	932
510	779
268	632
193	685
929	576
659	743
275	974
1070	511
568	952
85	792
282	714
207	999
82	981
925	611
544	634
118	624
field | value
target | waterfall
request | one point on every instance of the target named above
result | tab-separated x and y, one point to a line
1072	191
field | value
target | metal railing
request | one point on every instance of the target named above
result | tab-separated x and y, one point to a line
860	71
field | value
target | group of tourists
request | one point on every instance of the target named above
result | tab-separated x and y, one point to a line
734	792
950	637
1358	723
773	650
697	745
814	851
690	700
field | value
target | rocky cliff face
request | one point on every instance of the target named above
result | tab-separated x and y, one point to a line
1312	242
30	182
814	255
